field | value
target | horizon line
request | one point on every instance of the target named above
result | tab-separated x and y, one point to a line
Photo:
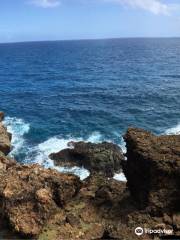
87	39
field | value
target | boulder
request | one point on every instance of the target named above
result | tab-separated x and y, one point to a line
1	116
104	158
152	170
5	140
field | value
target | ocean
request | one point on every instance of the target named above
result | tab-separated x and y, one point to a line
91	90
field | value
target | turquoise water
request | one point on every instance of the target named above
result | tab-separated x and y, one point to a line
53	92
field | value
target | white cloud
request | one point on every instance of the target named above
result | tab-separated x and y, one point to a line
46	3
154	6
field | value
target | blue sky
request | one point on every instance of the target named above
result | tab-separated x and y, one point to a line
31	20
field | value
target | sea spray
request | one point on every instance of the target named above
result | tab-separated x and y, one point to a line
18	128
174	130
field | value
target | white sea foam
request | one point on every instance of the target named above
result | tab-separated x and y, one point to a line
95	137
18	128
174	130
55	144
52	145
41	157
120	177
123	146
40	153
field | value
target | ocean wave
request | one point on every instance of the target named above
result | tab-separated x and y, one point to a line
40	153
55	144
95	137
18	128
174	130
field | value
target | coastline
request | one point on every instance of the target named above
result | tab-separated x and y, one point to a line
44	204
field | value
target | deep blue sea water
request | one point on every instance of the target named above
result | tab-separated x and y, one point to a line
92	90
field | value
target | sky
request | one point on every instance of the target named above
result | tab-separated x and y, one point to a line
38	20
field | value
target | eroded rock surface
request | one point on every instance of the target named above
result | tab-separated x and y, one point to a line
1	116
90	214
31	194
44	204
103	209
6	162
5	140
5	137
153	170
104	158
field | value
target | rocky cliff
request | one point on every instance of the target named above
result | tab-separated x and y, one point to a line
44	204
153	170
